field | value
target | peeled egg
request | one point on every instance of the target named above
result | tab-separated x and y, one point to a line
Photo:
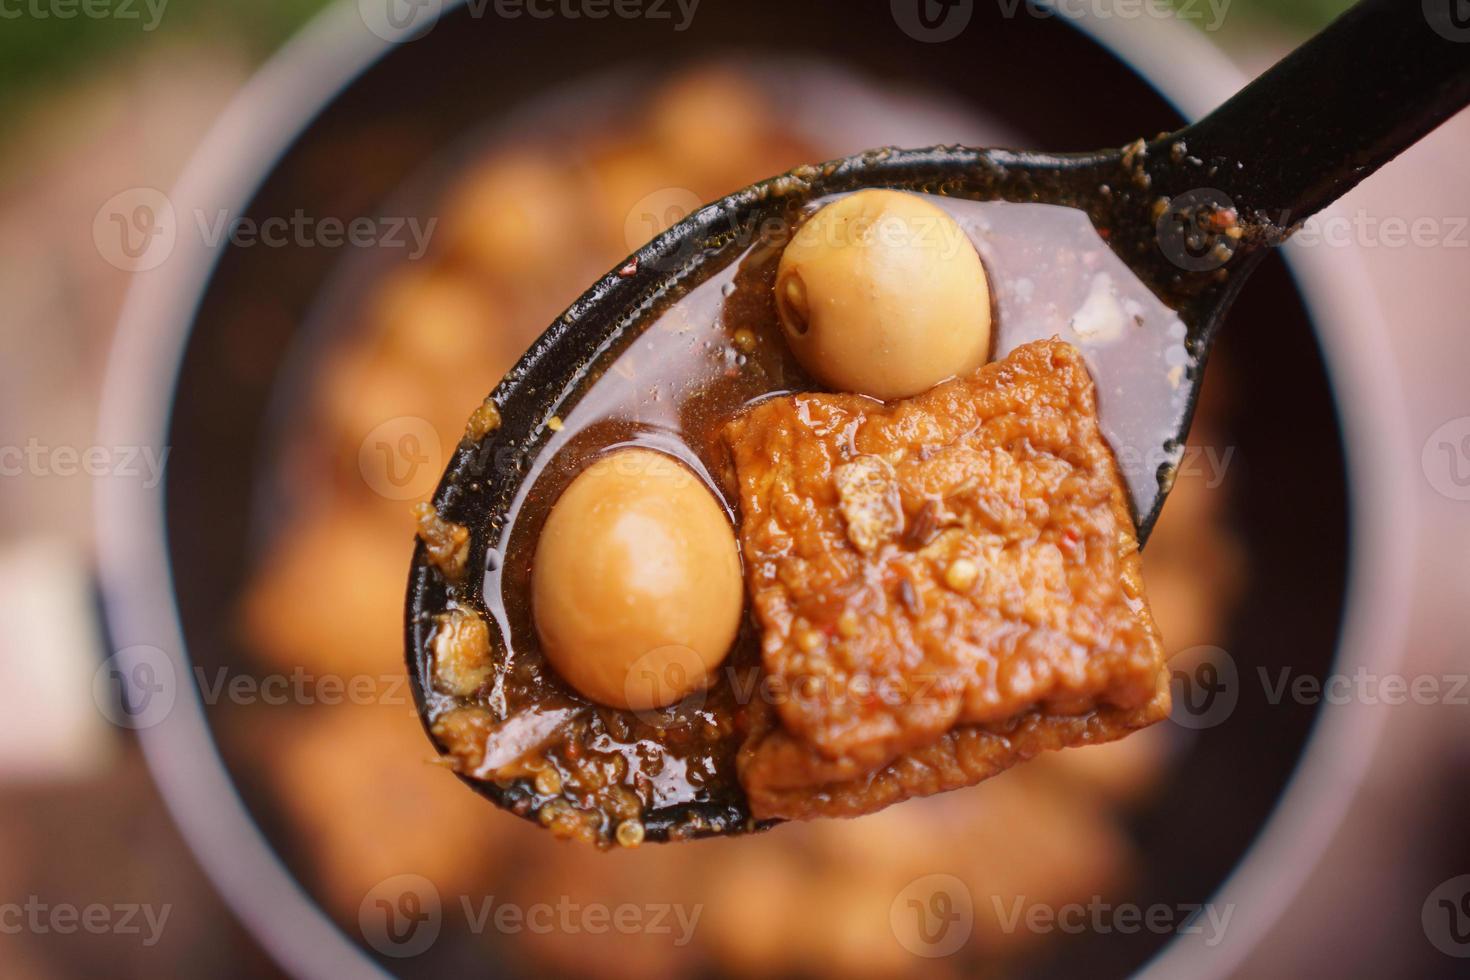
881	293
636	582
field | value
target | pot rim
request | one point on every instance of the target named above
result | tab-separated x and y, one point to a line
137	395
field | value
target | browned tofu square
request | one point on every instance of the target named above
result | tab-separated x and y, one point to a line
945	585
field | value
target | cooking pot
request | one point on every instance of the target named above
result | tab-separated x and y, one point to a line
358	111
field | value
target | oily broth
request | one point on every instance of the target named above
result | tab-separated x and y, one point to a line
670	390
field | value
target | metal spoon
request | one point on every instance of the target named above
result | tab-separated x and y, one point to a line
1190	213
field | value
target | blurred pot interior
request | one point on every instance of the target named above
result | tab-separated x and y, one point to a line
284	555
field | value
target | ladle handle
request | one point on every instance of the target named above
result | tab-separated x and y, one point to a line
1330	113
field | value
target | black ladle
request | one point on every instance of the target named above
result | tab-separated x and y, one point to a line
1190	212
1294	140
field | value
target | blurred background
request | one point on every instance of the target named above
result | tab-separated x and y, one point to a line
94	876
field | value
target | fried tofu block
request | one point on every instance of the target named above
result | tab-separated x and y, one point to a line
945	585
